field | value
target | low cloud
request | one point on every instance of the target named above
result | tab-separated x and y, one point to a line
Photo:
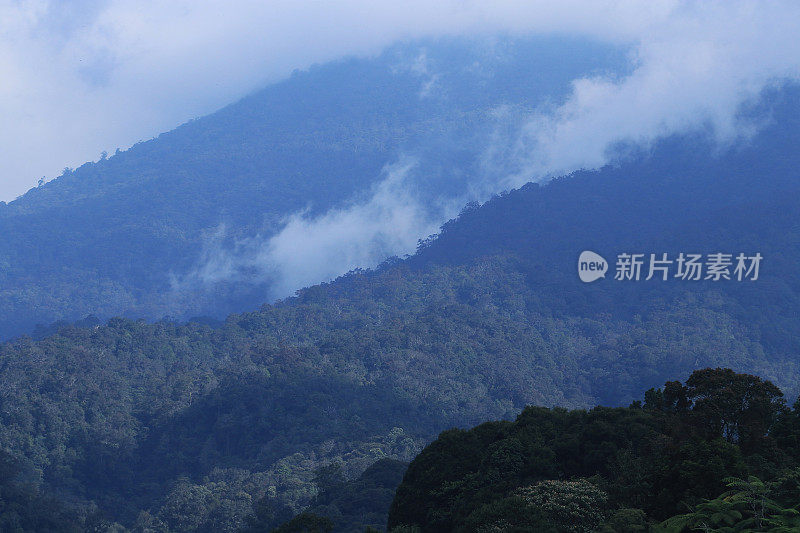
390	222
694	65
81	77
693	71
107	73
307	250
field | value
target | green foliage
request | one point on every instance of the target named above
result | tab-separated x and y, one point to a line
551	505
139	419
746	506
360	504
569	506
741	408
116	414
23	509
613	469
626	521
306	523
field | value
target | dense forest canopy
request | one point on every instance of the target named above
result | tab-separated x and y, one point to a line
133	416
303	412
136	422
723	446
437	282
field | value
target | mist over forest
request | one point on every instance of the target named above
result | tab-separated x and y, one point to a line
373	267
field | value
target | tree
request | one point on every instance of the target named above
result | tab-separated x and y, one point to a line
267	515
746	506
306	523
738	407
574	506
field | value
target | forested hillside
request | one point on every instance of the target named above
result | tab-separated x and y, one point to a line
718	453
420	267
126	235
190	427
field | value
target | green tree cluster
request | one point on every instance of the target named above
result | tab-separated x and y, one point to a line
624	469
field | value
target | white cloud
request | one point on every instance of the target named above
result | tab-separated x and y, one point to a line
77	80
389	221
80	77
310	250
694	70
695	63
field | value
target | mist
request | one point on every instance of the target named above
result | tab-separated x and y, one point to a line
81	78
694	71
389	221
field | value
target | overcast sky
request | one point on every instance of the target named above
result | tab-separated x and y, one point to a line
80	77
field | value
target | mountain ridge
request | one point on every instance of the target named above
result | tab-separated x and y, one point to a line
111	237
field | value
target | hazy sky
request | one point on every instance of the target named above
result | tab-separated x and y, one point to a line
80	77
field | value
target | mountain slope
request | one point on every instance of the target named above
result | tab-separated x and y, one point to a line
118	236
485	319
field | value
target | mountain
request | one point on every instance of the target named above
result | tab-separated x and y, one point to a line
149	421
133	234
